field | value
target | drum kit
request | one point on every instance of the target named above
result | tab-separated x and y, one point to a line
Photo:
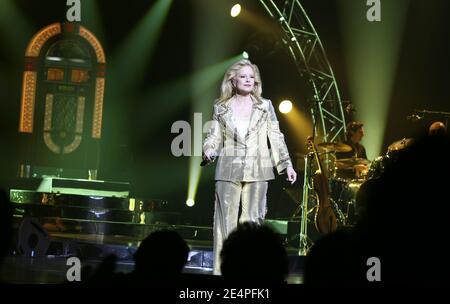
346	175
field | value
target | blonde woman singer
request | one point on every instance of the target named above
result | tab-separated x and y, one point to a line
242	123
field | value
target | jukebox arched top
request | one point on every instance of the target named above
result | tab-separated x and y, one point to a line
66	44
62	96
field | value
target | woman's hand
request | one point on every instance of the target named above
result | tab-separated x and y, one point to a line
291	175
210	155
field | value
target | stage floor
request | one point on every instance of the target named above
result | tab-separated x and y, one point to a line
51	269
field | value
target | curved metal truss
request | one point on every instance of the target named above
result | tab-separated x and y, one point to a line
305	47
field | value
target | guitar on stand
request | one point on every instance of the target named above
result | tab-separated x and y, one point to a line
325	219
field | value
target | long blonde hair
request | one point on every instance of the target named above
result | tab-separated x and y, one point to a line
227	89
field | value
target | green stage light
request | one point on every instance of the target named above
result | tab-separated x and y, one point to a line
127	65
372	51
136	50
15	30
190	202
92	19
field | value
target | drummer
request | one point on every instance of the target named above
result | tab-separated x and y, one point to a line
354	135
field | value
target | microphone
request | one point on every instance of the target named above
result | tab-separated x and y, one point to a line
205	161
414	117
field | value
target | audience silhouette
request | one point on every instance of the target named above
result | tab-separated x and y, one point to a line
159	259
254	253
403	223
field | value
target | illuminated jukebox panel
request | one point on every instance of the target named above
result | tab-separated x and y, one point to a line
62	102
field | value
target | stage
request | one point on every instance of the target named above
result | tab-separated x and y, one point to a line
52	268
121	119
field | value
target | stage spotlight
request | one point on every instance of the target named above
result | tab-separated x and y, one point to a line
235	10
190	202
245	55
285	106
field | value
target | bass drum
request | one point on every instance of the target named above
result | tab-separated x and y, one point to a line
381	163
377	167
343	195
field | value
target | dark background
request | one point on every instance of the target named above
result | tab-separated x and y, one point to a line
142	155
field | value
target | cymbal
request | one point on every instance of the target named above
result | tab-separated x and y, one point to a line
336	147
400	144
347	163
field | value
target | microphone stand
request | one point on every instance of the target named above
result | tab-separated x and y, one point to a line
446	115
304	241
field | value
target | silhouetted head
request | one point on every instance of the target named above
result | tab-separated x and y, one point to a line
254	253
333	260
437	128
405	221
162	254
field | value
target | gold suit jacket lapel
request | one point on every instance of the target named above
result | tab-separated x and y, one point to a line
257	114
255	117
